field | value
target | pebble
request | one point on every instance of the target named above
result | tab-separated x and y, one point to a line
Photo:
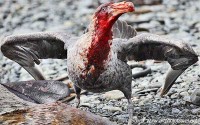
112	109
187	98
183	94
147	91
175	111
155	85
195	111
115	94
175	95
86	105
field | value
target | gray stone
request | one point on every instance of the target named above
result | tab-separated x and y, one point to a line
195	111
175	111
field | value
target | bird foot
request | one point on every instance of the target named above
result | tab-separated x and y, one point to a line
78	103
130	111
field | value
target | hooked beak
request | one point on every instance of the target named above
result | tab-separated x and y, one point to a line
121	8
170	79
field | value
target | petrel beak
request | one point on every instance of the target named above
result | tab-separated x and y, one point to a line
170	79
121	7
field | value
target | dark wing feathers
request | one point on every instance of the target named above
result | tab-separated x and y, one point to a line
149	46
29	48
122	30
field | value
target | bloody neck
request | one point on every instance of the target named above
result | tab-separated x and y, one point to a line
100	45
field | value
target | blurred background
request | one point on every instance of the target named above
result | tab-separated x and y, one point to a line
179	19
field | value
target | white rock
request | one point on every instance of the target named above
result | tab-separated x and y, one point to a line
175	111
195	111
115	94
184	94
112	109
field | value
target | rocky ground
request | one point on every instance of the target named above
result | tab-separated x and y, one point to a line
177	19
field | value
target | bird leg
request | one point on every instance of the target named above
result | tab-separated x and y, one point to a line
130	111
127	90
78	92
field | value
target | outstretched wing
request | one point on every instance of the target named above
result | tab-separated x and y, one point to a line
149	46
122	30
27	49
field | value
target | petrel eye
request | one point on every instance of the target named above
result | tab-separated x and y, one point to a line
103	9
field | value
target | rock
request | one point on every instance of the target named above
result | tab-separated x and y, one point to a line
38	25
163	101
175	95
1	56
147	91
112	109
195	97
149	96
175	111
186	98
69	24
150	25
115	94
135	90
40	16
195	111
87	99
96	102
85	105
122	118
155	85
143	101
144	18
177	103
183	94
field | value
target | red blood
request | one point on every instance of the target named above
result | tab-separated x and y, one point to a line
99	50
